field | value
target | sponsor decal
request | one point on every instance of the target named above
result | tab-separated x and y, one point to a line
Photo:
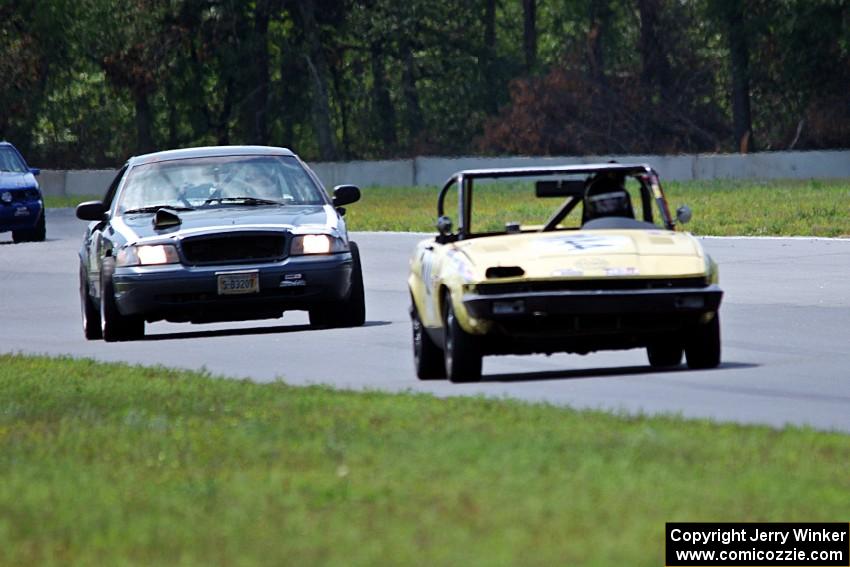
623	271
582	243
592	264
567	272
293	280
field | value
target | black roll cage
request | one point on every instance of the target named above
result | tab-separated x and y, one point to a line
648	178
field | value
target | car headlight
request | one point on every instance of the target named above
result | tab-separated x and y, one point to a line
149	255
316	244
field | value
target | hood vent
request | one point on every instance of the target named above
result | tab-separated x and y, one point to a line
505	272
165	218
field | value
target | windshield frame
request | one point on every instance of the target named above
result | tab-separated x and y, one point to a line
651	192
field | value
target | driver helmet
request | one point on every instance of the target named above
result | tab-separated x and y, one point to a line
606	196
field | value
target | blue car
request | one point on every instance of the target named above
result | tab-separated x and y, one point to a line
21	205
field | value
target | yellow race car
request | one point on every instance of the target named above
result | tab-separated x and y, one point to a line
604	269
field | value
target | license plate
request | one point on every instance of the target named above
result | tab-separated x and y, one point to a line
238	283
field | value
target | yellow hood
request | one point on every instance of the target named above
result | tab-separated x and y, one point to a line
592	253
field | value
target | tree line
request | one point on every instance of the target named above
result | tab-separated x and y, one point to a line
87	83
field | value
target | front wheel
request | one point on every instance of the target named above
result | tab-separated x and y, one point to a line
113	325
349	312
664	355
427	357
703	345
461	353
36	234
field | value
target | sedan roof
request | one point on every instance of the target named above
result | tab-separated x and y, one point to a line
209	151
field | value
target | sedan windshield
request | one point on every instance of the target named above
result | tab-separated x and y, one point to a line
217	182
11	161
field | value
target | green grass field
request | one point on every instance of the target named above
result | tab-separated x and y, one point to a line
720	207
116	465
55	201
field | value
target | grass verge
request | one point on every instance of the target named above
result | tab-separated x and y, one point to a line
106	464
721	207
57	201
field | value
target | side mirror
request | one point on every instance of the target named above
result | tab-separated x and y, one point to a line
444	225
345	195
684	214
91	211
35	171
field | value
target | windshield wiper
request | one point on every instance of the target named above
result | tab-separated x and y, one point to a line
155	208
243	201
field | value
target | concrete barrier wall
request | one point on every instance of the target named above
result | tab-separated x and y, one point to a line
76	182
435	170
366	173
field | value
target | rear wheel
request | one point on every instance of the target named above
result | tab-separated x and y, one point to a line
351	311
461	352
90	314
113	325
666	354
703	344
427	356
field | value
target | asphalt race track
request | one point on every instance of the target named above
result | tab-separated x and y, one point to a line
785	325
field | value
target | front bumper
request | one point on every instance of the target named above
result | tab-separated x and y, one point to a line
20	215
684	300
183	293
583	321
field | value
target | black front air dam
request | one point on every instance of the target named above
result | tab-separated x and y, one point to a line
513	305
586	321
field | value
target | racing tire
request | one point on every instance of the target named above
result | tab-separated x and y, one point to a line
461	353
703	345
36	234
664	355
113	325
351	311
427	356
90	314
39	233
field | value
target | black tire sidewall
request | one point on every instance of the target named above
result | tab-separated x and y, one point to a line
427	356
462	358
114	325
90	314
356	301
703	346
